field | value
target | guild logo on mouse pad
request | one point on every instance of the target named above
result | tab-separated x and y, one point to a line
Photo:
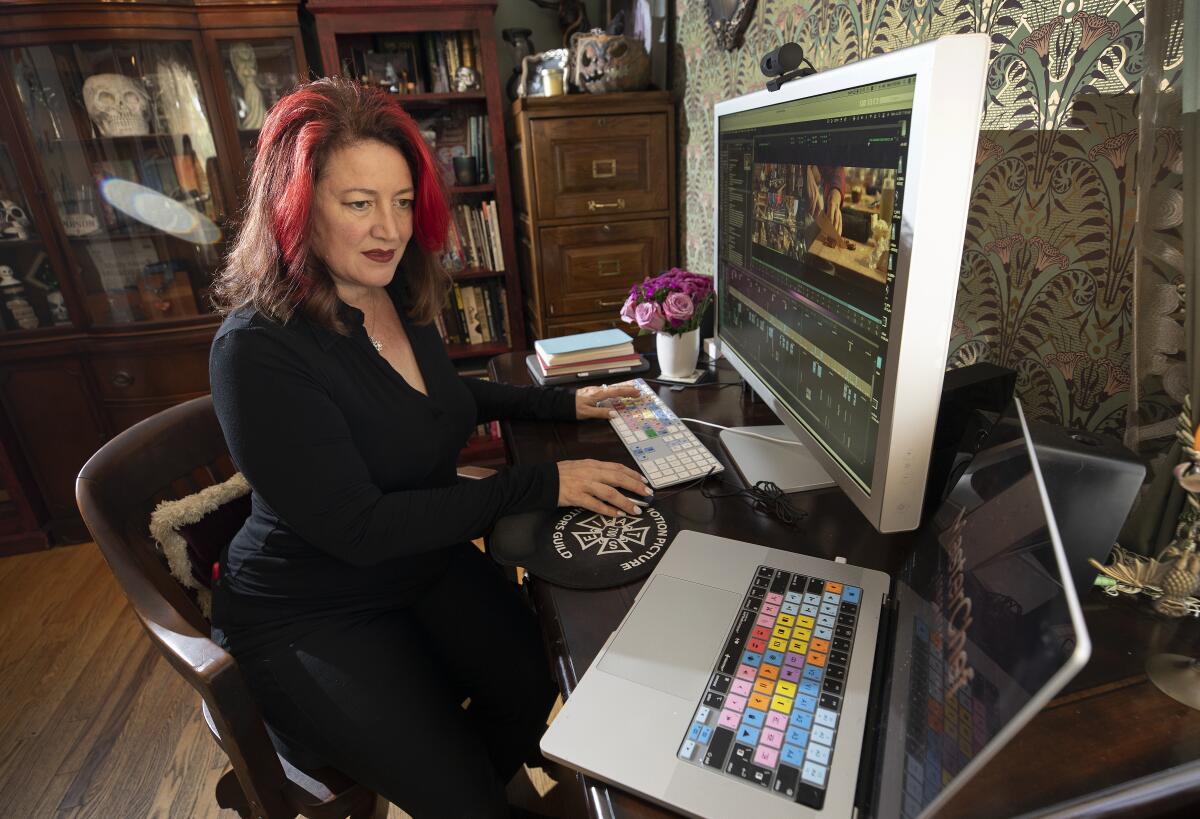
630	541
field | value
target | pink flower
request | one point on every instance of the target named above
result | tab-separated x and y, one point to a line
648	316
627	314
678	307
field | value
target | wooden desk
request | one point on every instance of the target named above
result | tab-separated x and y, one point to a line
1110	744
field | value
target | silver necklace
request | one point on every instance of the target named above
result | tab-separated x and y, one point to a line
376	343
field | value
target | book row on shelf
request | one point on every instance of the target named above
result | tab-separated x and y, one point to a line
473	240
475	314
438	62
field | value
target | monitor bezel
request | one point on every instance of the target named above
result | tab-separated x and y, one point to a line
946	112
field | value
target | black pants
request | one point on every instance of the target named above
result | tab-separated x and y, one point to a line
379	695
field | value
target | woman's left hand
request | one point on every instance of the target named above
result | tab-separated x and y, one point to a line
586	399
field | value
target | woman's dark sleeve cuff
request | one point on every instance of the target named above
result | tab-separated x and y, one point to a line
564	404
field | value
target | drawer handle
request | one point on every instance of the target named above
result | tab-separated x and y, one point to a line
608	267
604	168
122	378
603	303
594	205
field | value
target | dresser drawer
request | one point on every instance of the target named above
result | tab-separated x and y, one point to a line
600	165
590	268
136	375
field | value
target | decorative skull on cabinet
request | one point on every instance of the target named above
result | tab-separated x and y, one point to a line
14	220
117	105
609	62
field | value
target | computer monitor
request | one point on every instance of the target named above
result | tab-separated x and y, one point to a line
841	203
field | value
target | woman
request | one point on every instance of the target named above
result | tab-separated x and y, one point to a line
352	598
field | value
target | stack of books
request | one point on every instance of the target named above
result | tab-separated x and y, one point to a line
475	314
586	354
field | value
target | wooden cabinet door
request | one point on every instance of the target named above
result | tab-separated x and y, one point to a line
600	165
50	406
590	268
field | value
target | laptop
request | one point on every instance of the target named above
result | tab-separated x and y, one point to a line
748	681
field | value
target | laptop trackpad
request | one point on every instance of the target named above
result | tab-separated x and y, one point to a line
670	640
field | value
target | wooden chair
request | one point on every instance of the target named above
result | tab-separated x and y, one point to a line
173	454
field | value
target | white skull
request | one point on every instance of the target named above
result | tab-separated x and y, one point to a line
118	105
7	276
14	221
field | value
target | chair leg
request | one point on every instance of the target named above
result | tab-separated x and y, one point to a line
375	809
230	795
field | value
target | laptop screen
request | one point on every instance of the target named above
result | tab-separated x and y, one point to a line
987	628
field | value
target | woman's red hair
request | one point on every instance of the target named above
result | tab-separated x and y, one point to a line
271	266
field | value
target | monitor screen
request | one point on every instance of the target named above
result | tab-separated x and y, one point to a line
810	194
987	627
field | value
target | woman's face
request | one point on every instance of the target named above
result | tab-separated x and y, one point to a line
362	216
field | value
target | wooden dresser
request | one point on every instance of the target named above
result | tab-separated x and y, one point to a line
595	201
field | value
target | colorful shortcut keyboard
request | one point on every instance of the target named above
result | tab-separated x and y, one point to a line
770	713
665	450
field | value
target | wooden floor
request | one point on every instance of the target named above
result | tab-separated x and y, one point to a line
93	721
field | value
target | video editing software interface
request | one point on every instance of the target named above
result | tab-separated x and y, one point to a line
809	203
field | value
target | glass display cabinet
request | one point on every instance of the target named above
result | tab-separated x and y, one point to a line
124	147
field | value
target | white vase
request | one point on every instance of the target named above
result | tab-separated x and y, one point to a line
677	355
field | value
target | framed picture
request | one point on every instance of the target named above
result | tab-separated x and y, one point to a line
403	51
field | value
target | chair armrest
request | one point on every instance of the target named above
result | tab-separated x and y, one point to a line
475	472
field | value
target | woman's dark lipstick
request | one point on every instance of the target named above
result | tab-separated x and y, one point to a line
379	255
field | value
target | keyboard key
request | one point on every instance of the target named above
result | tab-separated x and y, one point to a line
747	734
773	658
777	644
829	609
814	773
827	621
789	673
741	687
796	736
819	645
815	658
852	594
812	599
767	757
790	608
764	685
833	588
747	672
760	633
794	659
718	749
801	719
843	631
770	672
781	581
751	658
838	656
830	701
714	700
836	672
833	686
786	780
720	683
756	645
765	620
793	754
815	585
782	631
774	598
822	735
735	703
781	704
769	608
813	673
808	610
759	701
793	597
840	643
818	753
804	703
786	689
772	738
729	719
831	597
754	717
750	772
687	749
810	689
785	620
777	720
804	621
823	633
694	732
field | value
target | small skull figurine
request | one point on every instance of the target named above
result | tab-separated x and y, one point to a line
118	105
609	62
14	221
466	80
8	278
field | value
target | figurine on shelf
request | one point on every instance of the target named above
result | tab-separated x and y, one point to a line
14	299
466	79
14	220
117	105
251	108
58	309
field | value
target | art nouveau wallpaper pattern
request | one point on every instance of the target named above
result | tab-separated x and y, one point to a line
1048	275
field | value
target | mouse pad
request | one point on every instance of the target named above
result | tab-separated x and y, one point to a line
579	549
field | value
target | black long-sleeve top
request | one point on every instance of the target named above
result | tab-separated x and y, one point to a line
355	490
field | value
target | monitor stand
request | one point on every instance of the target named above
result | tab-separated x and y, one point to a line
789	466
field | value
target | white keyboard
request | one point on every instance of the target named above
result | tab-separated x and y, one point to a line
665	450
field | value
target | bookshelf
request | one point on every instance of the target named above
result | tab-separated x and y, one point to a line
411	48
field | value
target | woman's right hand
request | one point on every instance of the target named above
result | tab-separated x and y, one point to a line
592	485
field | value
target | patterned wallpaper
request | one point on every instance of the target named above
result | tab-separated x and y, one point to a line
1049	260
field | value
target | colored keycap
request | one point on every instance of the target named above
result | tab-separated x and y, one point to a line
806	704
823	633
801	719
815	658
782	631
764	686
751	658
687	749
781	704
790	608
729	719
760	701
825	621
770	608
754	717
831	587
785	620
831	597
814	774
773	658
787	689
810	688
794	658
819	645
760	633
735	703
852	594
757	646
706	734
797	736
818	753
813	673
777	644
777	721
789	673
804	622
793	755
767	757
770	672
822	735
808	610
694	732
741	688
793	597
747	734
772	737
767	621
702	714
802	633
798	646
746	672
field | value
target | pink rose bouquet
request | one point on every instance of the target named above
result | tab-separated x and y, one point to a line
672	302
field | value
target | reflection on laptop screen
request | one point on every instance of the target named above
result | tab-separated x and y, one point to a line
984	624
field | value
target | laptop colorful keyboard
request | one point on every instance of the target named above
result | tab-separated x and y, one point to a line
770	713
